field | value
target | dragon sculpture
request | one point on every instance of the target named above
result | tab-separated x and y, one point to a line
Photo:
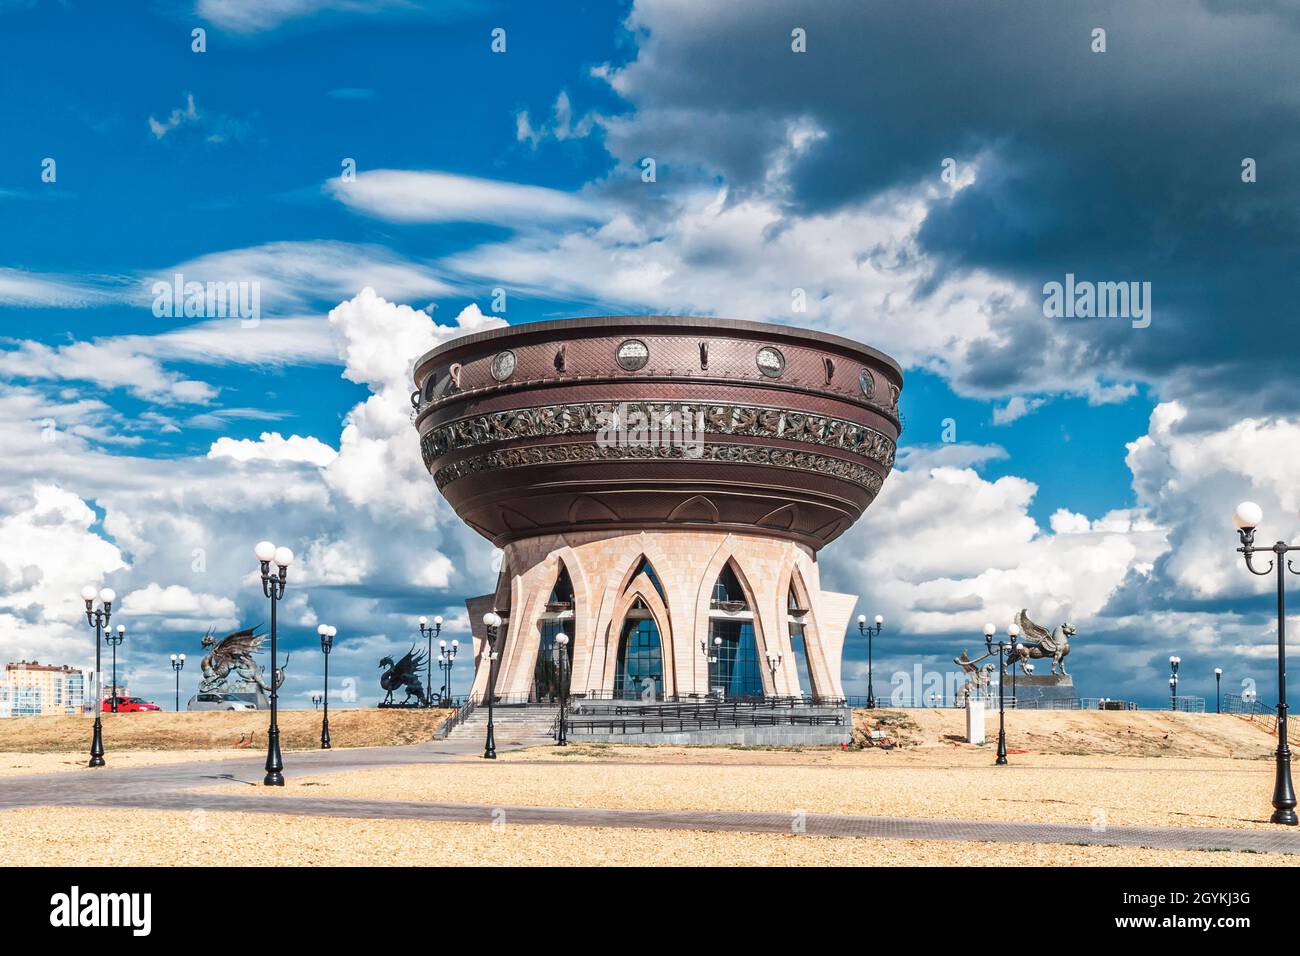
1036	642
233	655
405	674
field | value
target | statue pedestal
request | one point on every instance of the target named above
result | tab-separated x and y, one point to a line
1042	690
974	721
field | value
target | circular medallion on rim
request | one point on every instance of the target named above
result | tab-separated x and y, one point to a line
633	355
503	366
867	382
771	362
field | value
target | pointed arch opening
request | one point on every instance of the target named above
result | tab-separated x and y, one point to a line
551	673
735	667
795	613
645	567
639	671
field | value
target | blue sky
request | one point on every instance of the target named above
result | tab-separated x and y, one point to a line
1095	464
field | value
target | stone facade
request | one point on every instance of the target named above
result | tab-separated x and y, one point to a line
687	563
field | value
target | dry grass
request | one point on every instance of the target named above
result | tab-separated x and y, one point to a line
39	837
219	730
1150	733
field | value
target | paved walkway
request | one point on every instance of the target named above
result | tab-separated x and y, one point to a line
173	786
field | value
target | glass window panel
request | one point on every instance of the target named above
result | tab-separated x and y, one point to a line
640	661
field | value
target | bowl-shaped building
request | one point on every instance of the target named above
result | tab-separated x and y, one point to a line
660	488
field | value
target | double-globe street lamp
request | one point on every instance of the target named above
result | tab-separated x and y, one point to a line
273	583
178	664
447	658
1173	681
1016	648
326	634
989	631
98	618
492	622
561	652
871	631
1247	518
114	640
1218	701
429	633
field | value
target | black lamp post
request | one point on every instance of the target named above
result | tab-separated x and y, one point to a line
1173	682
446	658
429	633
98	617
1013	661
326	633
178	664
315	700
871	631
114	640
1218	701
273	583
989	630
1248	517
562	655
491	621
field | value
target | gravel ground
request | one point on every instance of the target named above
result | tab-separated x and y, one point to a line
40	837
1111	791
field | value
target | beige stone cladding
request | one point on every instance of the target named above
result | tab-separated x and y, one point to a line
687	563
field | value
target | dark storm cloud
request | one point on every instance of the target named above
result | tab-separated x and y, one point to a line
1115	166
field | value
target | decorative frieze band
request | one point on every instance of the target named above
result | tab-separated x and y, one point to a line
750	421
737	454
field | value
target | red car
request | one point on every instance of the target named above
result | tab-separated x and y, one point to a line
129	705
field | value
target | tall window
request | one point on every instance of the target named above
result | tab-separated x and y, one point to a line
558	617
736	673
798	644
640	661
546	673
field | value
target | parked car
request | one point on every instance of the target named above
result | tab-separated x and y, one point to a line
130	705
219	702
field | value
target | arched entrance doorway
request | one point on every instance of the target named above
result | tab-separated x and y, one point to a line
735	671
639	674
558	617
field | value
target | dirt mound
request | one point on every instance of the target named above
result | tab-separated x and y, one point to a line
1139	733
219	730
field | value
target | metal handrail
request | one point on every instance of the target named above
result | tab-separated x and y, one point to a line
646	723
459	716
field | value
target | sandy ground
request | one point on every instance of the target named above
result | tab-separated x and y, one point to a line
1110	791
20	764
218	730
166	838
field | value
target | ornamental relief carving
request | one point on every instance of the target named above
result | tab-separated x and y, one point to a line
718	419
736	454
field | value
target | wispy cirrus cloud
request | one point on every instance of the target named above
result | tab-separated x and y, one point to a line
259	16
295	275
138	364
412	196
25	289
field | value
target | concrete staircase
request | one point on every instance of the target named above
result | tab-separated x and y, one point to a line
529	726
